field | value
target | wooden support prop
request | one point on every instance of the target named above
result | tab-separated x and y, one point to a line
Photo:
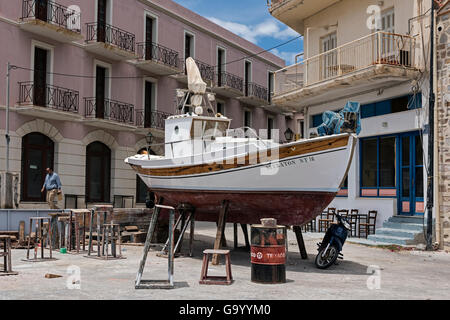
183	209
220	230
301	243
245	231
21	232
158	284
236	238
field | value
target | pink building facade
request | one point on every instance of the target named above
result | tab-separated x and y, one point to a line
95	77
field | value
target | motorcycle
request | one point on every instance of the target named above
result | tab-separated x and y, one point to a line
331	246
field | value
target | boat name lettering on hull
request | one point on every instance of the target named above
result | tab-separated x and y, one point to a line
289	163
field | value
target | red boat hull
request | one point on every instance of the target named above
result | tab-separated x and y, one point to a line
289	208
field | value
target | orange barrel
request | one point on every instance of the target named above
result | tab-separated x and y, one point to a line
268	252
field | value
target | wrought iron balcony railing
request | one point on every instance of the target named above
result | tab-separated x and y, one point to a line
53	13
49	96
159	53
103	32
154	119
255	90
230	80
109	110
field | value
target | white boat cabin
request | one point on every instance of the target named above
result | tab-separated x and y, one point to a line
190	134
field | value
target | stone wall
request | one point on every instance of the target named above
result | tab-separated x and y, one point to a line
443	117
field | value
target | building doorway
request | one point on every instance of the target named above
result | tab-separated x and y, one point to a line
411	199
37	155
98	173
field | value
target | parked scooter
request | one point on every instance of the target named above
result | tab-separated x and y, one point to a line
331	246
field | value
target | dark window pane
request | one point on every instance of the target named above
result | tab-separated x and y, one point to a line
405	151
141	190
383	107
316	120
419	151
400	104
405	182
387	162
419	182
369	163
415	101
368	110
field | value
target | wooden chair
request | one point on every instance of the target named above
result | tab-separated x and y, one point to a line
353	221
369	224
324	223
343	213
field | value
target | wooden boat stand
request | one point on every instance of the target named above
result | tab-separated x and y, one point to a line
39	229
56	233
184	209
6	254
74	221
300	241
220	230
106	233
158	284
245	231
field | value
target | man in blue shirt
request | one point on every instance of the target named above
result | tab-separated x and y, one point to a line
52	184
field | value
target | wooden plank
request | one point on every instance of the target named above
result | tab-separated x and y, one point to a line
301	243
220	230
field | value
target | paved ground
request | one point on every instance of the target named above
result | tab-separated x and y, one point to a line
403	275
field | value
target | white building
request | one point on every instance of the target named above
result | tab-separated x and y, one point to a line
375	53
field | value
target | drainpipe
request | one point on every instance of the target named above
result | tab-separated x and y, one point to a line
431	121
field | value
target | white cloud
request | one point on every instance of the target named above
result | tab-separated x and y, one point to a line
289	57
267	28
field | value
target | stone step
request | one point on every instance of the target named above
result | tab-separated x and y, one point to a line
402	233
403	226
390	239
406	219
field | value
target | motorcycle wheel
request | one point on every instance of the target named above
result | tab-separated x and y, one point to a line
329	258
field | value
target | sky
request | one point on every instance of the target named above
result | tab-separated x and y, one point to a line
251	20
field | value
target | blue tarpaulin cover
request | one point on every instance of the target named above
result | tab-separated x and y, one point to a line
332	121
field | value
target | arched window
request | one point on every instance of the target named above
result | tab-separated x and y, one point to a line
37	155
141	187
98	173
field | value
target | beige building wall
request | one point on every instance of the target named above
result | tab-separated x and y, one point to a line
349	20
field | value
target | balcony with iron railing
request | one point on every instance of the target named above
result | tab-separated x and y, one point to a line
228	85
109	41
151	120
255	95
109	114
48	101
51	20
158	59
377	59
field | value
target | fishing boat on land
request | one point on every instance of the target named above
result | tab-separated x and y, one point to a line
206	162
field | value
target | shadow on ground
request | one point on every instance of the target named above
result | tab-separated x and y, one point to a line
294	263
